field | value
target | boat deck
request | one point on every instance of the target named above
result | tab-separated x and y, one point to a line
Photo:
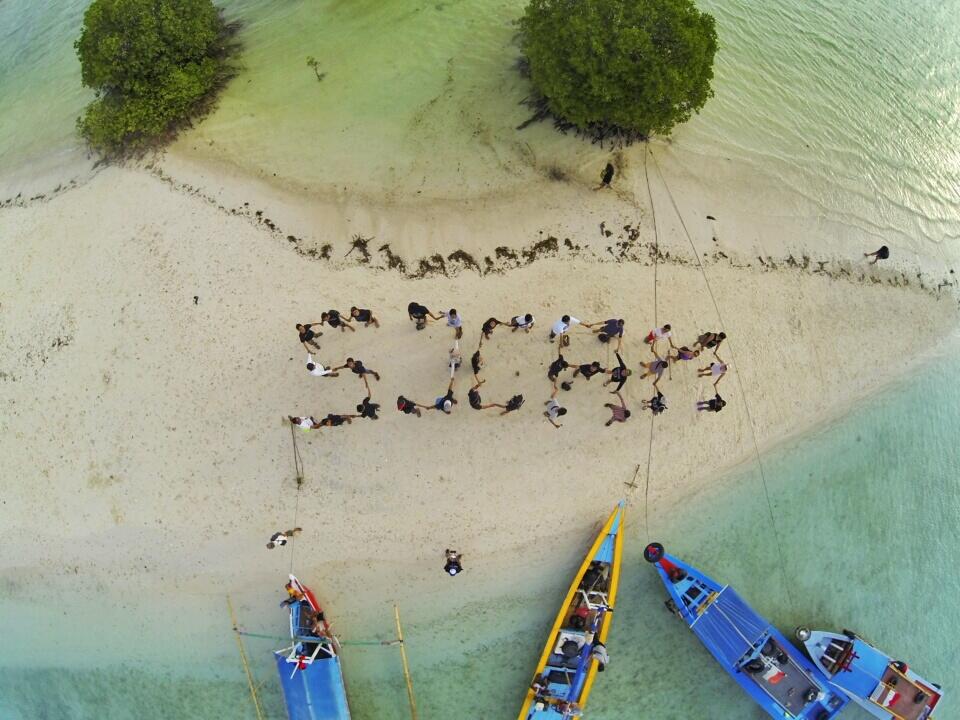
902	697
785	682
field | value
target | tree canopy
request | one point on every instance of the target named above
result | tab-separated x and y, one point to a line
634	66
153	64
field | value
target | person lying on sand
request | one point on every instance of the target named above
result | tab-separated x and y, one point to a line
420	315
660	333
368	409
473	397
488	327
445	403
618	374
710	341
357	368
513	403
610	329
655	367
334	319
882	254
318	370
305	423
556	367
454	359
561	327
308	336
279	539
476	362
333	420
409	407
717	370
657	404
683	353
618	413
522	322
588	370
715	404
454	321
554	411
365	316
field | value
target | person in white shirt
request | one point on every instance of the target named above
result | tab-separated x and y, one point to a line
454	321
318	370
522	322
304	423
554	411
661	333
562	326
279	539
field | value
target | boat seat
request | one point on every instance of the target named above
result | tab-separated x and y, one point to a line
559	677
594	599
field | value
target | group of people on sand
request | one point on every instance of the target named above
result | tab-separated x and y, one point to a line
612	330
308	338
609	332
420	315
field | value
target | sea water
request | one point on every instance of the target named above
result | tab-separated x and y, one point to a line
853	105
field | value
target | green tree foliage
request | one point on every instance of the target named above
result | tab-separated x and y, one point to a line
631	66
153	64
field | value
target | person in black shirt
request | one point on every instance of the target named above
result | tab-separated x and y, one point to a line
715	404
308	335
365	316
332	420
368	409
476	362
488	327
513	403
419	314
618	374
588	370
409	407
556	367
356	366
334	319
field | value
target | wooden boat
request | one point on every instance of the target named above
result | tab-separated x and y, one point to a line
310	672
568	666
886	688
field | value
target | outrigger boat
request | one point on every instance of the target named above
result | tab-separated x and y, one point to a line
884	687
568	667
771	670
310	671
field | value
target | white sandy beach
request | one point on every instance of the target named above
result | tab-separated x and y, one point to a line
148	437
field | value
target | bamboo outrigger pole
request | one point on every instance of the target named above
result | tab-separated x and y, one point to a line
246	664
406	666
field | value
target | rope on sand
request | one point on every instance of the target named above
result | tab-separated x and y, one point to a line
246	663
656	263
736	372
298	470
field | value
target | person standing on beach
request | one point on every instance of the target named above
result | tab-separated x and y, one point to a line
710	341
660	333
610	329
365	316
452	562
882	254
513	404
588	370
655	367
308	336
454	321
561	327
333	420
279	539
318	370
488	327
618	374
409	407
476	362
556	367
473	397
618	413
304	423
454	359
357	368
683	353
714	404
717	370
445	403
368	409
554	410
657	404
522	322
419	314
334	319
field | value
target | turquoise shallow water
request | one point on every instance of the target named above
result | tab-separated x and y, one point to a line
868	510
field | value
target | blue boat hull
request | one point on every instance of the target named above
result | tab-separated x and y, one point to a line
314	693
775	674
